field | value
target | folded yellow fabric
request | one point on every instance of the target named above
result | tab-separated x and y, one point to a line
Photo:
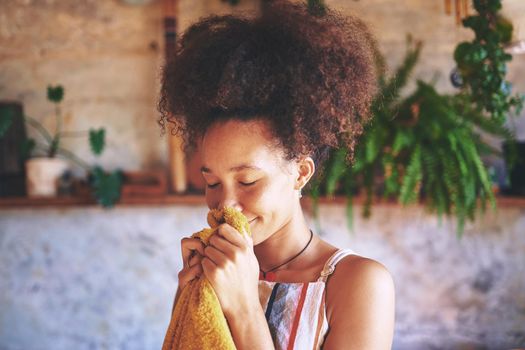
197	322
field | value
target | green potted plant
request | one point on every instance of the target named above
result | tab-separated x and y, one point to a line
424	147
427	146
47	158
482	66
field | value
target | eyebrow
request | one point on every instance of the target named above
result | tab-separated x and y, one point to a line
233	169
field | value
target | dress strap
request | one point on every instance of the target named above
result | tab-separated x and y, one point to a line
329	267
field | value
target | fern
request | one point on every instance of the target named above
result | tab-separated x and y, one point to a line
408	191
424	146
335	170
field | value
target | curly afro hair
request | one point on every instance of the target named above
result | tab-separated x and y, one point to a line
311	76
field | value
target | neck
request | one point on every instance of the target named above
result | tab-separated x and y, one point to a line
285	243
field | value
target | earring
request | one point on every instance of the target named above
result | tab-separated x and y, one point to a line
300	193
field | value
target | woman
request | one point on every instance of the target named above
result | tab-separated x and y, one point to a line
265	98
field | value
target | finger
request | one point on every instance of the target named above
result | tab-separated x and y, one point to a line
208	268
223	245
188	246
195	259
188	274
215	255
231	235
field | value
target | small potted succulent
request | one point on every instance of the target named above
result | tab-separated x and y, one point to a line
47	159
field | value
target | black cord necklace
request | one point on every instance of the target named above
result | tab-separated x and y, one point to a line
289	260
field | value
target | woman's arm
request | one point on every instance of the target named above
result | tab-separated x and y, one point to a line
230	265
250	329
360	306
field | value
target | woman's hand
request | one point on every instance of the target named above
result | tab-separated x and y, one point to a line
230	265
192	252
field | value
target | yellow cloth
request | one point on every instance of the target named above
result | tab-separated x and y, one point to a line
197	321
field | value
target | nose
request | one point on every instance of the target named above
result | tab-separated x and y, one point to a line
228	198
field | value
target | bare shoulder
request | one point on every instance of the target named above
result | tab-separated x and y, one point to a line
355	270
360	299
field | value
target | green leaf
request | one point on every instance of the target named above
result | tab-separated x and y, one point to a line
482	61
402	139
391	90
316	7
412	178
349	191
461	52
27	147
53	147
97	140
336	170
504	28
55	93
373	144
6	120
106	186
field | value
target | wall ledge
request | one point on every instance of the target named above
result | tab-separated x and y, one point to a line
197	199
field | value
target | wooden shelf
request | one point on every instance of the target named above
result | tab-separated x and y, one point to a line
510	201
192	199
501	201
71	201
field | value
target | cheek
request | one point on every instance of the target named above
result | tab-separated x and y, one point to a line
270	200
211	201
256	199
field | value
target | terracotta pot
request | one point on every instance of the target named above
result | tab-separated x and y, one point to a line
42	175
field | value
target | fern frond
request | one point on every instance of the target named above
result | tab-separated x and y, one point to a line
335	171
412	178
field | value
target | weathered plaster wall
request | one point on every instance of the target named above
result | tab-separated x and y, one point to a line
107	54
86	278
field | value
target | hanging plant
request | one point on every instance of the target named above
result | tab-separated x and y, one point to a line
427	146
423	147
482	62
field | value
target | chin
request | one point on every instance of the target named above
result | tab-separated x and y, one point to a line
257	237
256	241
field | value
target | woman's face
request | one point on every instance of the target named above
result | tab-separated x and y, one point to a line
243	170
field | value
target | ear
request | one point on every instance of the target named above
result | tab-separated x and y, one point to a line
305	171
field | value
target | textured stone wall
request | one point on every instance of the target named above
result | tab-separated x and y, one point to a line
108	55
84	278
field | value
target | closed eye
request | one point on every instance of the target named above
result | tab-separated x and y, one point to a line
247	184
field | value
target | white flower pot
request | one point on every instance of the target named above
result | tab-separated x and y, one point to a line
42	175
